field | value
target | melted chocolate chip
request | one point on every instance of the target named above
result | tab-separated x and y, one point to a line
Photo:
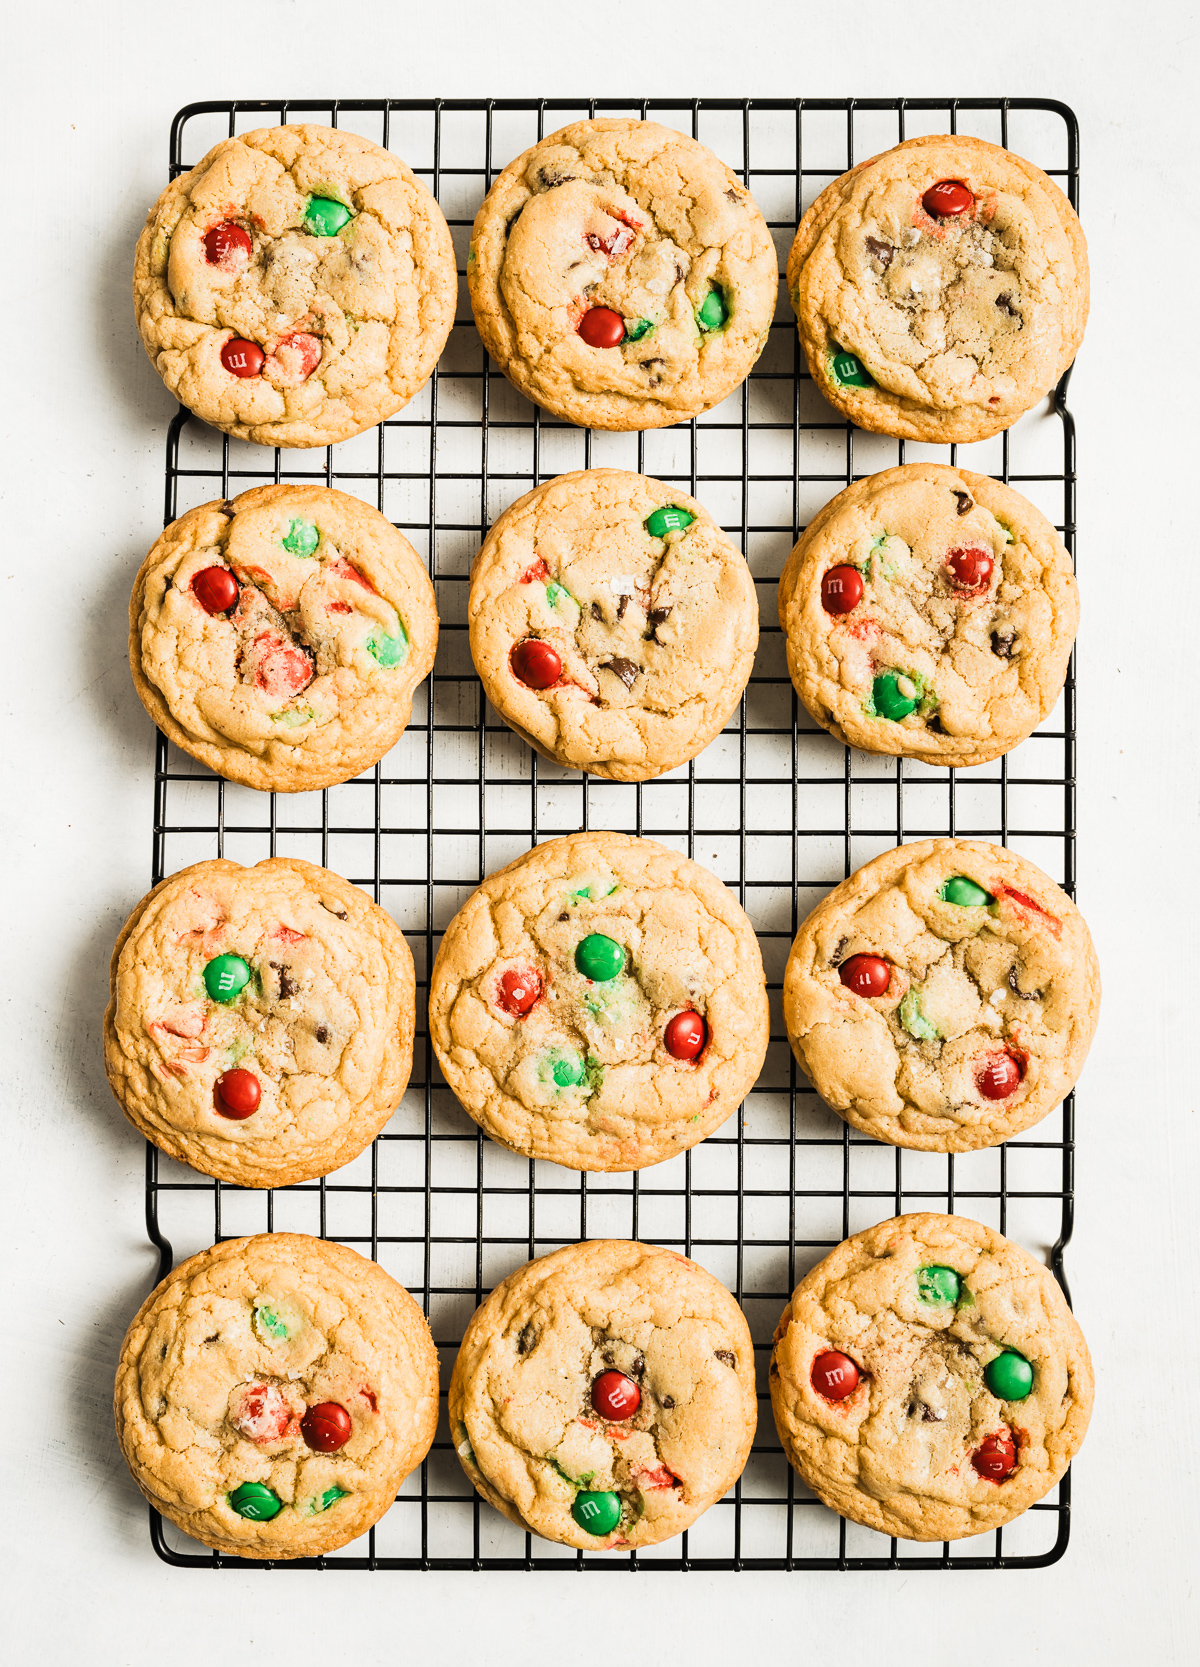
624	669
964	502
654	619
227	507
836	958
1005	304
608	1358
930	1415
287	984
728	1356
648	365
550	177
1003	644
215	1338
598	612
679	273
527	1338
564	916
638	1367
734	196
668	1400
934	724
882	252
622	604
1025	995
322	1033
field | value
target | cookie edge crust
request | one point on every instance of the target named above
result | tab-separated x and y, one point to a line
958	1139
950	1522
412	1327
373	1112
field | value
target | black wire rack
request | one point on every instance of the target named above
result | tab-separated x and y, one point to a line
774	806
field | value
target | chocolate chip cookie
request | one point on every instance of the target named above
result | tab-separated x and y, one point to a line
603	1396
944	997
278	637
928	1379
929	612
941	289
621	275
600	1002
260	1026
273	1393
296	286
613	623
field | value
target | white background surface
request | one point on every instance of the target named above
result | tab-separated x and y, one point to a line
89	95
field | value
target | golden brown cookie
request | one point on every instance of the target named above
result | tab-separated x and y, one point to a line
613	623
260	1026
600	1002
273	1393
928	1379
279	636
603	1396
944	997
621	276
296	286
941	289
929	612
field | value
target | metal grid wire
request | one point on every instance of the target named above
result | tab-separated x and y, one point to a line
774	806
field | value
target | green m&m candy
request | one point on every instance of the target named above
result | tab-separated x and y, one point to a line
256	1501
640	329
325	217
850	372
389	651
599	958
330	1497
226	976
1009	1376
568	1070
301	538
669	519
914	1020
596	1513
713	312
936	1284
894	696
965	893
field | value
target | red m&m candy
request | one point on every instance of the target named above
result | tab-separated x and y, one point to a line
227	246
216	589
237	1094
615	1396
841	590
536	664
326	1427
834	1375
685	1036
866	975
972	569
601	327
996	1457
242	358
999	1076
519	989
947	198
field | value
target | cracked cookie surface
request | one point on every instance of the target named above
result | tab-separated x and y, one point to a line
972	1018
522	1415
296	286
964	590
652	231
220	1374
323	1020
654	631
297	670
935	1441
939	326
555	990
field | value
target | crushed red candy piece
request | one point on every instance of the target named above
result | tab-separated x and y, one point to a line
260	1413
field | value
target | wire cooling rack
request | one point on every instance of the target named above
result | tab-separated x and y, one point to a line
774	806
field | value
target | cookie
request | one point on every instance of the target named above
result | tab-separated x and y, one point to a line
621	276
928	1379
296	286
941	289
613	624
944	997
603	1396
260	1025
600	1002
278	637
273	1393
929	612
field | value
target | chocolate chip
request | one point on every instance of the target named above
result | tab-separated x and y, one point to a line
668	1400
215	1338
679	272
734	196
622	604
649	364
1005	304
882	252
322	1033
1002	644
657	615
564	916
964	502
929	1415
287	984
227	506
624	669
527	1338
638	1367
598	612
1025	995
934	725
728	1356
835	959
608	1358
550	177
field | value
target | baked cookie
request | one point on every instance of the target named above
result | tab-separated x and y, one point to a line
600	1002
621	275
273	1393
928	1379
944	997
260	1026
613	623
603	1396
278	637
296	286
941	289
929	612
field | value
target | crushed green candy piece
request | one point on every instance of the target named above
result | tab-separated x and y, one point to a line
555	591
389	651
914	1021
267	1320
567	1070
640	329
301	538
713	311
323	1501
293	719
